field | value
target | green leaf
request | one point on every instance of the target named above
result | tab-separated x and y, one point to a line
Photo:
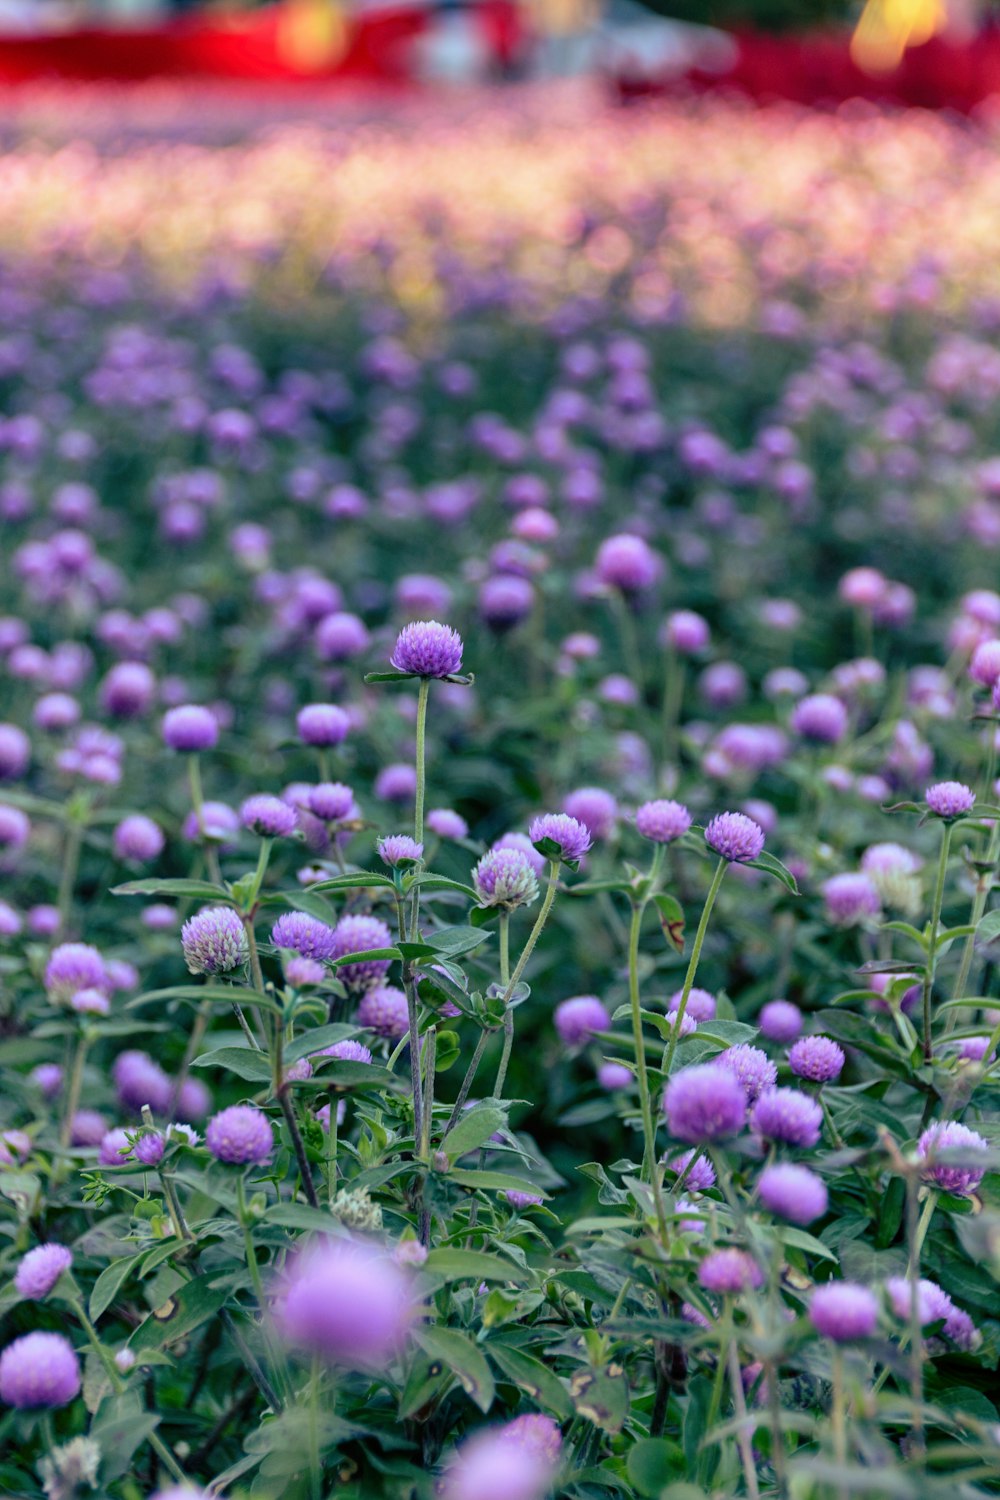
198	890
317	1039
501	1182
530	1375
474	1127
252	1066
355	880
988	930
772	866
452	1264
651	1461
120	1429
671	915
207	994
109	1284
189	1306
602	1397
454	941
465	1360
391	677
364	956
432	883
800	1240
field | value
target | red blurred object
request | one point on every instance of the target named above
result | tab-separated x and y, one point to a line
818	69
372	47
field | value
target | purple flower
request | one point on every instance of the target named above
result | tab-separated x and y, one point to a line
149	1148
523	845
933	1302
214	941
49	1078
347	1051
396	783
488	1466
302	972
340	636
595	808
138	838
984	668
361	934
428	649
686	632
269	816
447	823
780	1021
787	1115
752	1067
735	837
704	1103
821	718
90	1003
139	1080
844	1311
40	1269
15	752
700	1004
348	1302
505	877
128	690
72	967
332	801
950	799
505	600
190	728
695	1169
217	825
571	837
384	1011
519	1199
87	1128
578	1018
851	900
817	1058
614	1075
114	1148
793	1192
730	1271
39	1370
322	724
626	562
398	849
240	1135
961	1178
305	935
663	821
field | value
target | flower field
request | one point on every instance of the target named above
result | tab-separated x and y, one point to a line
499	706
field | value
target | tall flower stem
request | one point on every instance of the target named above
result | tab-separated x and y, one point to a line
692	968
190	1052
649	1171
198	803
536	931
418	809
413	1023
467	1082
331	1148
673	697
932	942
983	887
75	1086
743	1442
838	1414
280	1089
75	829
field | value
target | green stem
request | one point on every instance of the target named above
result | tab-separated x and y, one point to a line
838	1415
932	941
536	931
743	1441
73	1092
673	697
280	1090
504	929
418	810
315	1468
715	1399
467	1082
983	887
692	969
413	1019
649	1170
430	1063
68	874
198	803
260	872
331	1148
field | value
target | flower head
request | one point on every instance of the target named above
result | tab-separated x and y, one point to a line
361	934
578	1018
851	899
305	935
138	838
322	724
428	649
793	1192
505	877
700	1004
961	1178
752	1067
844	1311
332	802
269	816
780	1021
595	808
571	837
787	1115
73	967
730	1271
735	837
383	1009
447	823
695	1169
628	563
704	1103
817	1058
240	1135
950	799
190	728
214	941
398	849
662	821
139	1080
39	1370
821	718
514	1462
40	1269
348	1302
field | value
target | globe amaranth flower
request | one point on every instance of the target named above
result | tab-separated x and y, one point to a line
214	941
72	967
614	1075
950	799
114	1148
332	802
505	877
428	649
894	872
49	1078
519	1198
595	808
347	1051
817	1058
149	1148
700	1004
218	823
39	1270
851	899
780	1021
752	1067
498	1464
704	1103
662	821
190	728
361	934
396	783
447	823
571	837
268	816
39	1370
90	1003
730	1271
348	1302
735	837
963	1177
933	1302
844	1311
686	632
578	1018
398	849
87	1128
139	1080
304	935
384	1010
821	718
628	563
793	1192
240	1135
788	1116
138	838
984	667
322	725
523	845
15	752
693	1169
300	972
